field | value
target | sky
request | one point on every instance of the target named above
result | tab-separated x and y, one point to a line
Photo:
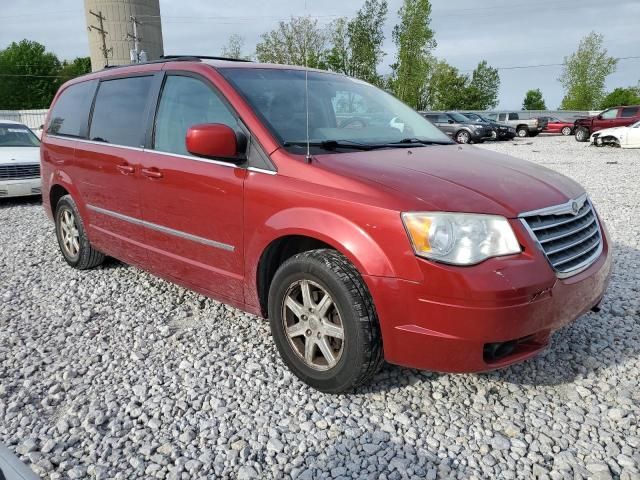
506	33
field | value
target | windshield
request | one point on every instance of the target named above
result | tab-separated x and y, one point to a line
341	109
458	117
17	136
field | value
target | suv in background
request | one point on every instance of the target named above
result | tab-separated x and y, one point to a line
613	117
529	127
501	131
360	240
459	127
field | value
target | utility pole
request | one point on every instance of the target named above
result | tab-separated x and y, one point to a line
135	53
103	33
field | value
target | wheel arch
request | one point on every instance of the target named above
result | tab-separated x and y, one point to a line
303	229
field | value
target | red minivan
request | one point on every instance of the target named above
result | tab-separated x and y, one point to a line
327	206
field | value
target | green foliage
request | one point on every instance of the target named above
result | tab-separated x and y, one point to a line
446	88
533	100
365	40
355	46
415	41
233	48
299	41
75	68
482	91
584	74
620	97
29	76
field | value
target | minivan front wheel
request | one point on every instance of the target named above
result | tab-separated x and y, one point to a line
72	236
323	321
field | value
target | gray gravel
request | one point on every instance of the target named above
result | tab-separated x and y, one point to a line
113	373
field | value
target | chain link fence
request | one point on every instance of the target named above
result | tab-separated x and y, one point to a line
31	118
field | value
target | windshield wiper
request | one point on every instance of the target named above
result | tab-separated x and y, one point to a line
333	144
417	141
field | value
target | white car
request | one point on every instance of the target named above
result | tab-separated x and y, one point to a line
19	160
625	137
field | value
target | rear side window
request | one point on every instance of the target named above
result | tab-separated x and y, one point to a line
186	101
610	114
502	116
629	112
514	116
70	113
119	114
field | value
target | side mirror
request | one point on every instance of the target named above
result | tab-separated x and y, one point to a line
215	140
450	121
599	117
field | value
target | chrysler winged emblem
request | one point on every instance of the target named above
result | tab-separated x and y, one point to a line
575	208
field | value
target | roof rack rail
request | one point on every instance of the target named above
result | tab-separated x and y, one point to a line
160	60
200	57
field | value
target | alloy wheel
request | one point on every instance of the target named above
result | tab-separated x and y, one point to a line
463	137
566	131
313	325
70	234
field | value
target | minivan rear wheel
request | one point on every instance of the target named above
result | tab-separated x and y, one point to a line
323	321
72	236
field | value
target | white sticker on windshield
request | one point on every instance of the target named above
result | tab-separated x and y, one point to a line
15	130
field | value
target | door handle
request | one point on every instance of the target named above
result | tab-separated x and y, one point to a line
126	169
152	172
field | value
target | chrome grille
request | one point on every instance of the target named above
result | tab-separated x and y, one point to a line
568	234
19	171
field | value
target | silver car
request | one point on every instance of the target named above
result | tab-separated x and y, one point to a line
19	160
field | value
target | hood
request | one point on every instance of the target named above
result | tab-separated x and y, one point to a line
19	155
458	179
610	131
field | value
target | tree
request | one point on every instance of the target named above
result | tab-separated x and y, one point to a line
414	40
78	66
365	36
446	87
233	48
584	74
482	91
297	42
355	46
621	96
29	76
533	100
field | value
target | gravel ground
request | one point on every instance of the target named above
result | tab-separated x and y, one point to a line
113	373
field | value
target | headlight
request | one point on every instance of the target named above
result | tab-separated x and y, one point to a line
459	238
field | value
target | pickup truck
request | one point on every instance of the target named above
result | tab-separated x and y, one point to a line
525	127
611	118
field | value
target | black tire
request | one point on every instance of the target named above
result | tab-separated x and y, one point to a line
86	257
566	131
522	131
462	136
361	348
582	134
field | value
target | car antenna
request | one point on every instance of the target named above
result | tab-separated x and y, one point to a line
306	92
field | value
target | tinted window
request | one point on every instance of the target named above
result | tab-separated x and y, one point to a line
514	116
119	114
629	112
70	113
610	114
186	101
502	116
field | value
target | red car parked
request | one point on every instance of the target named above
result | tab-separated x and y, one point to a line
611	118
555	125
323	203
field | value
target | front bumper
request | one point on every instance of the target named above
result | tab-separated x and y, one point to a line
446	322
20	188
